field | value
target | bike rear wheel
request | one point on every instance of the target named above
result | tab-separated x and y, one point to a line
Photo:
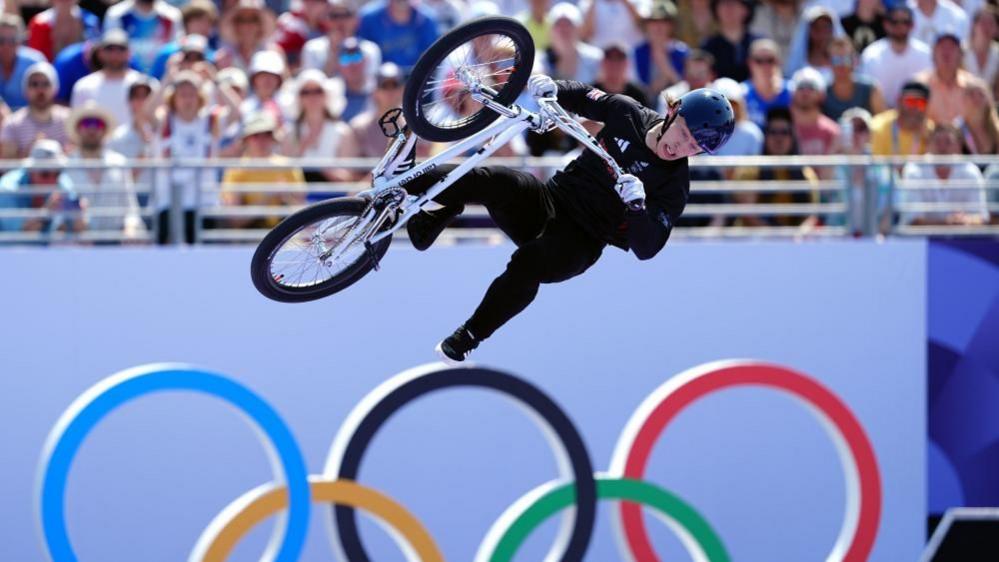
497	51
293	262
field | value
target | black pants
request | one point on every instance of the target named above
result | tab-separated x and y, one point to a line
163	232
549	248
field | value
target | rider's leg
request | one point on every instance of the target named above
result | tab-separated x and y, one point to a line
563	251
515	200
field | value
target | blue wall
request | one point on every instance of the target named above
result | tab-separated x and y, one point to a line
754	462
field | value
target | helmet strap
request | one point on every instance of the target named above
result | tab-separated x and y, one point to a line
670	118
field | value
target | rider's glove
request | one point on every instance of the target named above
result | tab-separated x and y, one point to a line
541	86
630	189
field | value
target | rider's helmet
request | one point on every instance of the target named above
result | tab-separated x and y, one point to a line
709	116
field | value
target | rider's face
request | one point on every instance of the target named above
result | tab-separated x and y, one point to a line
676	142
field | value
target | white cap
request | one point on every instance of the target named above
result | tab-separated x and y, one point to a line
269	62
567	11
808	77
730	89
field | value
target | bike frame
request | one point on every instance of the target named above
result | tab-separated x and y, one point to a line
512	121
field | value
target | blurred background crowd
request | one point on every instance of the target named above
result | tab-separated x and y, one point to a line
117	82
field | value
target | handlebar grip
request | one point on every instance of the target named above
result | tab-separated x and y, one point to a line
637	205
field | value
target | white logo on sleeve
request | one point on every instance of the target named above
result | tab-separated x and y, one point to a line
622	143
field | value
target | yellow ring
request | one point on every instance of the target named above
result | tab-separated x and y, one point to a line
246	512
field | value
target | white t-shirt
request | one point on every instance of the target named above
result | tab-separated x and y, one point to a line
316	52
989	70
330	139
187	139
965	176
613	22
108	188
892	70
948	16
110	95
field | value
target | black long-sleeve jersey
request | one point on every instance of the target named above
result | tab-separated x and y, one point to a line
585	189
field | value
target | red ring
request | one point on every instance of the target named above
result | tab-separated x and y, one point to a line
732	374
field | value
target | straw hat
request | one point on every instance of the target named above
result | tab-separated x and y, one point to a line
89	109
227	29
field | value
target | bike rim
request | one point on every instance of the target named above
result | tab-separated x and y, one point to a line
444	101
298	263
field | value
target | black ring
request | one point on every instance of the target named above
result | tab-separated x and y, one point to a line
509	385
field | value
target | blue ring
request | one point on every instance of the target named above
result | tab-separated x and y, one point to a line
89	408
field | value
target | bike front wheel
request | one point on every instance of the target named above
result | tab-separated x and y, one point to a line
497	52
302	258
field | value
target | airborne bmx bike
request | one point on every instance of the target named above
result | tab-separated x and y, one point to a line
464	89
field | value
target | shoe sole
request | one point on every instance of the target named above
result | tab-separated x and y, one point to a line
445	358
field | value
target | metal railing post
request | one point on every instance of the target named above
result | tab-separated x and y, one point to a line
176	212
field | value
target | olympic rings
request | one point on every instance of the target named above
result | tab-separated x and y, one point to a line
863	480
523	517
576	482
377	407
86	411
256	505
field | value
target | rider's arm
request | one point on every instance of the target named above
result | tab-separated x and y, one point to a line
583	99
648	231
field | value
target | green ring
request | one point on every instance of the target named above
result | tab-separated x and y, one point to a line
638	491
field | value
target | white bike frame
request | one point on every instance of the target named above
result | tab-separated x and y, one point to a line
512	121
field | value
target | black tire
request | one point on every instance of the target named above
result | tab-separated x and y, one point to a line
430	60
260	267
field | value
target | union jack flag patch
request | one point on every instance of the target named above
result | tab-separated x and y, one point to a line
595	94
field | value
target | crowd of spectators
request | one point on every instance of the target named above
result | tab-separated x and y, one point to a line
274	79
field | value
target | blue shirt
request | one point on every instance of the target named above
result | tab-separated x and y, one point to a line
158	69
14	194
356	104
12	88
677	53
757	108
401	44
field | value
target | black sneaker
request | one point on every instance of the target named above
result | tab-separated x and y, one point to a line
455	348
426	226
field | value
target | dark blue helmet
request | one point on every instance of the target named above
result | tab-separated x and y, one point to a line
709	117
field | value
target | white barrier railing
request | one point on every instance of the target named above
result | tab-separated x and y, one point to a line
726	207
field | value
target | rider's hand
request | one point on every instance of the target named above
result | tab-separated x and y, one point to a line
541	86
630	189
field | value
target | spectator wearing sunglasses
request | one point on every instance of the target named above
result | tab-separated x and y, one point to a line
306	20
14	60
318	132
766	89
849	89
41	118
905	130
198	17
33	187
892	61
946	79
109	187
778	140
341	46
387	95
108	86
149	25
64	24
